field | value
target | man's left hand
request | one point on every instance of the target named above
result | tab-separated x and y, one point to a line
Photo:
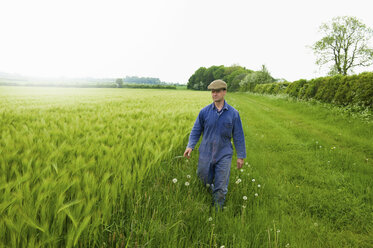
239	163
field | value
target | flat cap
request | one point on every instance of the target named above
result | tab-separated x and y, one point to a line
217	84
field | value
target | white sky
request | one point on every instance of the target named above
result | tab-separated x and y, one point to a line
168	39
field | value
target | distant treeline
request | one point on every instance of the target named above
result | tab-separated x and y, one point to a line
341	90
98	85
142	80
236	77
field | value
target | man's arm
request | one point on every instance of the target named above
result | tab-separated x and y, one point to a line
195	134
239	138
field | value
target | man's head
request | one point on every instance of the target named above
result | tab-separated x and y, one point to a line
218	90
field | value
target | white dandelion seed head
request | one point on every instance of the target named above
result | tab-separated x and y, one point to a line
278	230
320	146
174	180
246	163
244	197
188	176
315	224
238	180
222	246
210	219
256	194
241	170
258	185
287	245
207	185
243	206
186	183
253	180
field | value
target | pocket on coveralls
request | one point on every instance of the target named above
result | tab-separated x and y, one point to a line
227	129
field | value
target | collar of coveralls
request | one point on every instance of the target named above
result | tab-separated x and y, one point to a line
224	107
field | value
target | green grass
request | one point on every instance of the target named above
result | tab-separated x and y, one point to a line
94	167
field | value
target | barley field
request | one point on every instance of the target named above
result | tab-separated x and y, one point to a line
103	168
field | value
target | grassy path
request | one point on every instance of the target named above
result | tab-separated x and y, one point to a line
314	167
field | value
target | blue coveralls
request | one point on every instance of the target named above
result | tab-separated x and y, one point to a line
215	151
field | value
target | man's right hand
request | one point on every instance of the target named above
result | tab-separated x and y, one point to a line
187	152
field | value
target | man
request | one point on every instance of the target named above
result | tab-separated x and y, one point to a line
218	122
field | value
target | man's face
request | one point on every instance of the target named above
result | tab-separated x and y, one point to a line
218	95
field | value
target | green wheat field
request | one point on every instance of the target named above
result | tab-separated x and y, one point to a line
103	168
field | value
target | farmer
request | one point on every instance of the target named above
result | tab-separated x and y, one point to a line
218	122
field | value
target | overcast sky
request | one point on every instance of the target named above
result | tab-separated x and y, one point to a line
168	39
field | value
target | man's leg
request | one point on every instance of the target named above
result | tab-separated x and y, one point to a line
222	173
205	171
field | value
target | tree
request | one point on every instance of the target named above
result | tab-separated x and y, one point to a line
344	45
258	77
119	82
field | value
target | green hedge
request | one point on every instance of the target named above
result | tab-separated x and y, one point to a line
341	90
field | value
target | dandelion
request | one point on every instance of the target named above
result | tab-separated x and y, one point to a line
320	146
287	245
188	176
244	197
238	181
253	180
315	224
186	183
243	206
258	185
256	194
278	230
317	142
210	219
207	185
222	246
174	180
246	163
241	170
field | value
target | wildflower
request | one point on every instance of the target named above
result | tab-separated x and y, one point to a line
174	180
188	176
210	219
241	170
256	194
244	197
207	185
258	185
246	163
317	142
320	146
243	206
278	230
253	180
186	183
315	224
222	246
287	245
238	181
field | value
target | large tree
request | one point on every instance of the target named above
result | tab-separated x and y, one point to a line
344	45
